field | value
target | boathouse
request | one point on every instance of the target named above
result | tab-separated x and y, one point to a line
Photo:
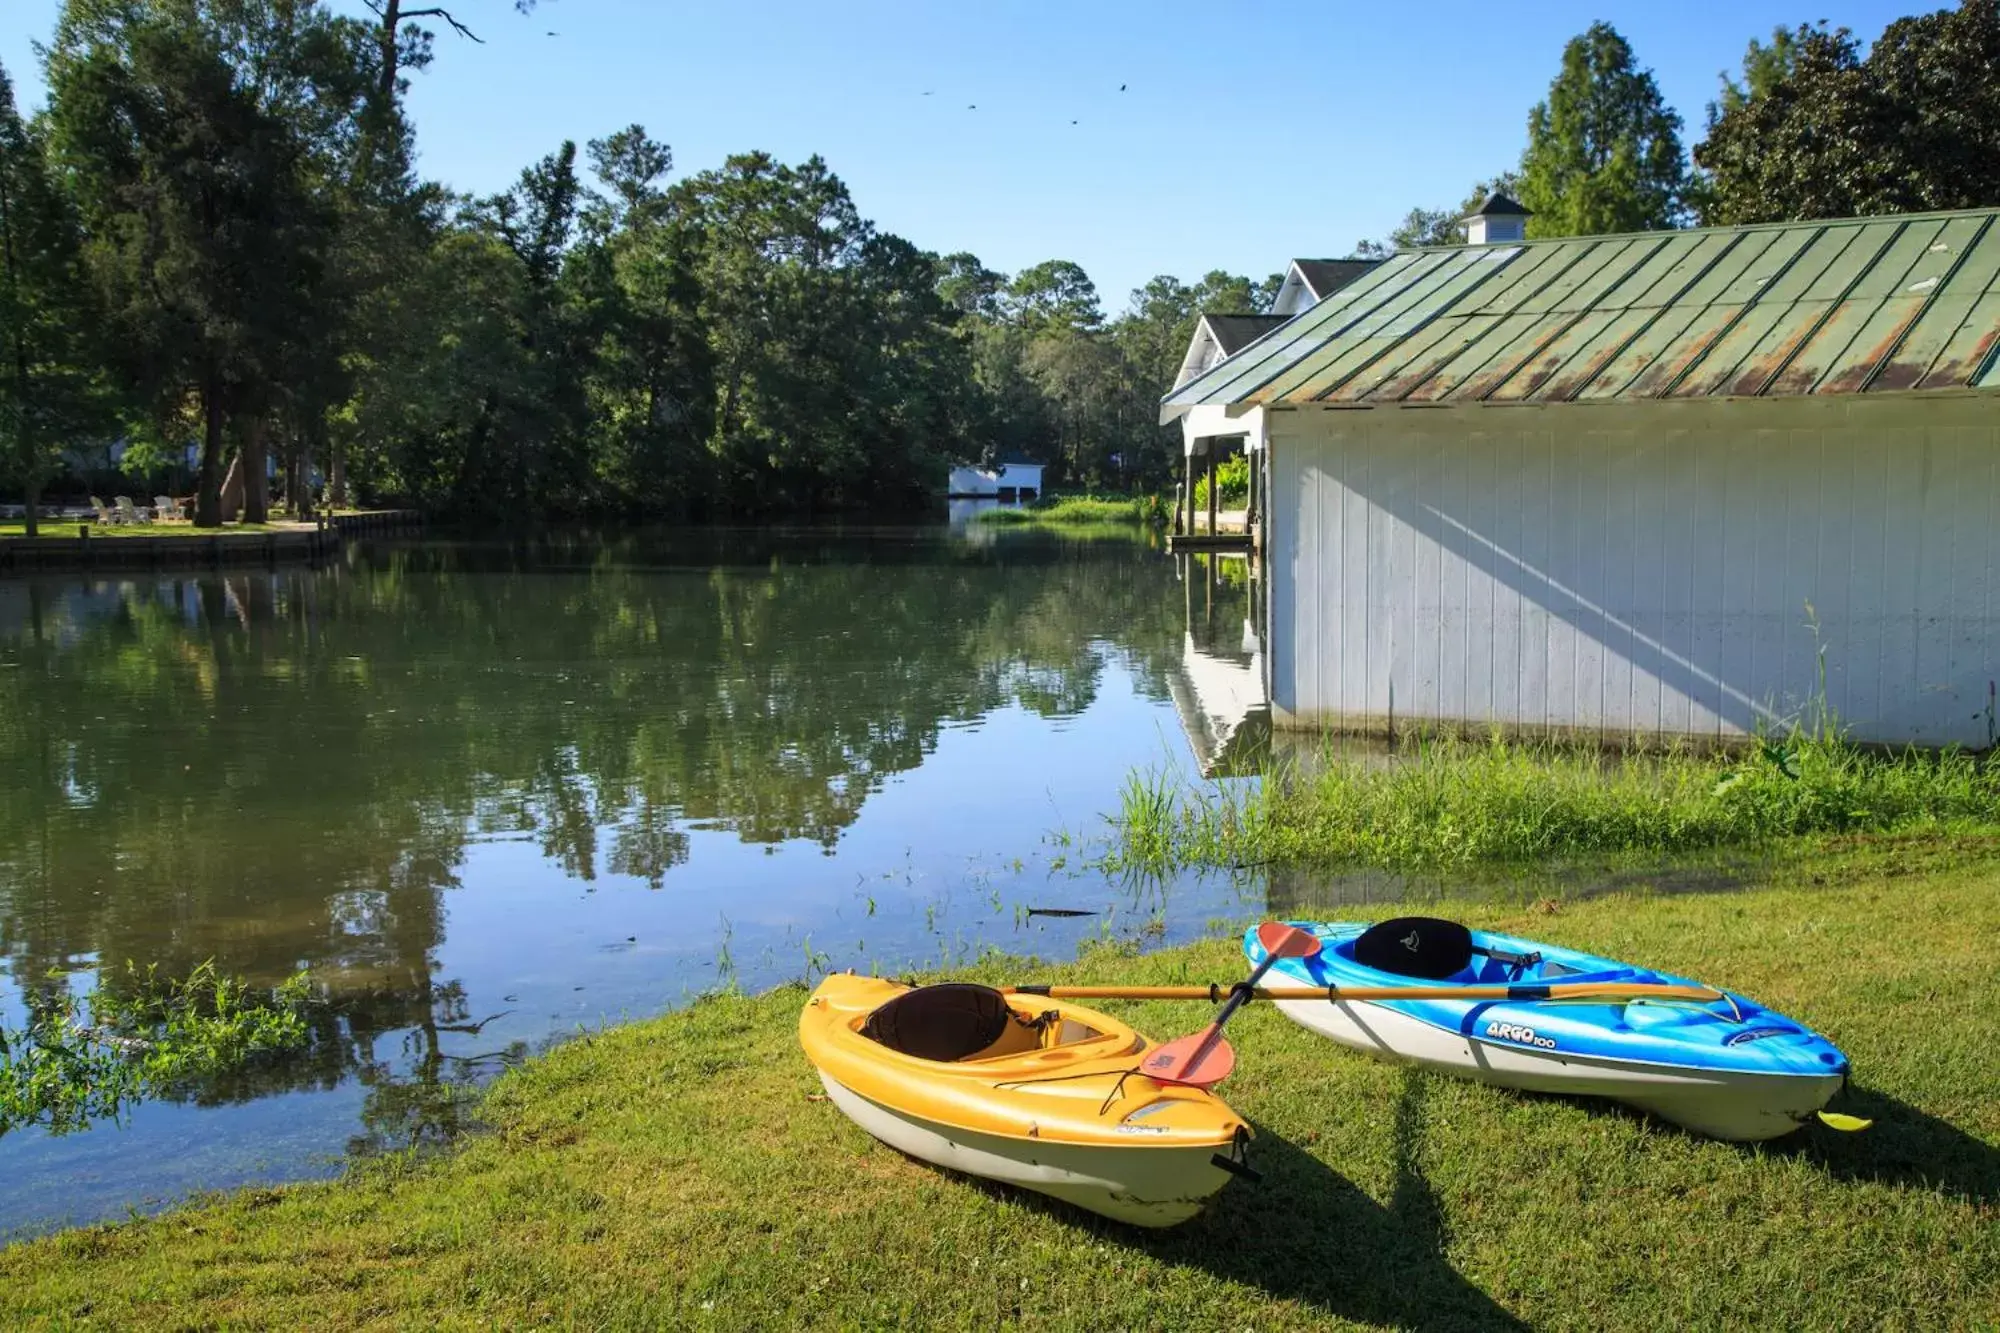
1673	484
1008	482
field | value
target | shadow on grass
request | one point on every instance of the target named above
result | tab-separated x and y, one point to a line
1905	1147
1305	1234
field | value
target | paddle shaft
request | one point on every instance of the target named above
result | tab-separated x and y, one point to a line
1238	997
1188	1059
1582	990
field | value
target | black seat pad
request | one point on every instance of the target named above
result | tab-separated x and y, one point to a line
944	1022
1415	946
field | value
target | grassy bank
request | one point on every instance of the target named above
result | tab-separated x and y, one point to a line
49	527
684	1172
1451	802
1081	510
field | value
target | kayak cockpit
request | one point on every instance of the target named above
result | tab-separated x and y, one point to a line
960	1023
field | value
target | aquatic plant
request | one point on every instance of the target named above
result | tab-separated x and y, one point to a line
80	1060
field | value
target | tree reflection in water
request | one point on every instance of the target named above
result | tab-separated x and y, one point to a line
284	769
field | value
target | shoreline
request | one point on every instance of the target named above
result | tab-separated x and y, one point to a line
179	546
681	1168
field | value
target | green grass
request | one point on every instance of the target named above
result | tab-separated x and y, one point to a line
67	528
1448	802
683	1172
1083	510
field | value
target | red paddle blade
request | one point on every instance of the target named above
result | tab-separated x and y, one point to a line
1283	941
1199	1060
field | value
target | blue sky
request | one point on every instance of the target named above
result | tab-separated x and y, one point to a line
1247	133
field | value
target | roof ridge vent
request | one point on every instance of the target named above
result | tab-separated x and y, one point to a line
1498	219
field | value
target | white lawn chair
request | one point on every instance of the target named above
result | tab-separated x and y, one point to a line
128	514
164	508
105	516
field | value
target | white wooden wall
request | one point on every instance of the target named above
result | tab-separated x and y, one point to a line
1643	568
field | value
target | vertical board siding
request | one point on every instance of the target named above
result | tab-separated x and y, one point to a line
1639	569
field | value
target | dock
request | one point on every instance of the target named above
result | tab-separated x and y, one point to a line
301	542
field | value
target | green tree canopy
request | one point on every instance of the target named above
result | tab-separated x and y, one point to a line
1604	150
51	395
1825	132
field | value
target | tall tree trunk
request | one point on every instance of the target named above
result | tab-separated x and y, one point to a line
10	270
336	479
34	489
256	476
385	42
208	487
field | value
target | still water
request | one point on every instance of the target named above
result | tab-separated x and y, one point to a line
488	793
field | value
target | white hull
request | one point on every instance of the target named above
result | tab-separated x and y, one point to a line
1742	1107
1144	1185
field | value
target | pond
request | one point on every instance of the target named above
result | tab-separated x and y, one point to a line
490	793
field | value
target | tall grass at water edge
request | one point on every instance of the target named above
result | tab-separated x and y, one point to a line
1083	509
1441	802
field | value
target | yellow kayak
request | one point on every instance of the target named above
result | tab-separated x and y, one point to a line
1031	1091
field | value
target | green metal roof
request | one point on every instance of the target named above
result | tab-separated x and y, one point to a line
1858	305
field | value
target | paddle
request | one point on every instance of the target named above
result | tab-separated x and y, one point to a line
1203	1059
1525	993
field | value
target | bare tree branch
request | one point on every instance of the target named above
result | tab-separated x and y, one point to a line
439	12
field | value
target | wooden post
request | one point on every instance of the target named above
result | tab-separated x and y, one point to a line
1212	496
1250	505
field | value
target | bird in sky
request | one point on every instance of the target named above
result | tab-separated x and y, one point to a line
972	106
555	34
932	93
1121	87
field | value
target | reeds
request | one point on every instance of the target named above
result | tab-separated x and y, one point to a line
1441	801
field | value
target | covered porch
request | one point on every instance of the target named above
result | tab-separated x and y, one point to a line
1209	436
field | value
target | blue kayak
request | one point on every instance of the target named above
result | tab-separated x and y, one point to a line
1730	1068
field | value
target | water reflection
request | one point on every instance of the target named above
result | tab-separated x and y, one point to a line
1221	683
418	773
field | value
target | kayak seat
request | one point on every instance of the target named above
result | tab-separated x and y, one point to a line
1415	946
950	1022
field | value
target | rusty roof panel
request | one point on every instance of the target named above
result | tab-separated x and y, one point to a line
1911	364
1683	353
1888	304
1795	326
1873	345
1543	330
1648	332
1970	347
1506	332
1822	352
1421	368
1396	358
1734	346
1990	377
1581	334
